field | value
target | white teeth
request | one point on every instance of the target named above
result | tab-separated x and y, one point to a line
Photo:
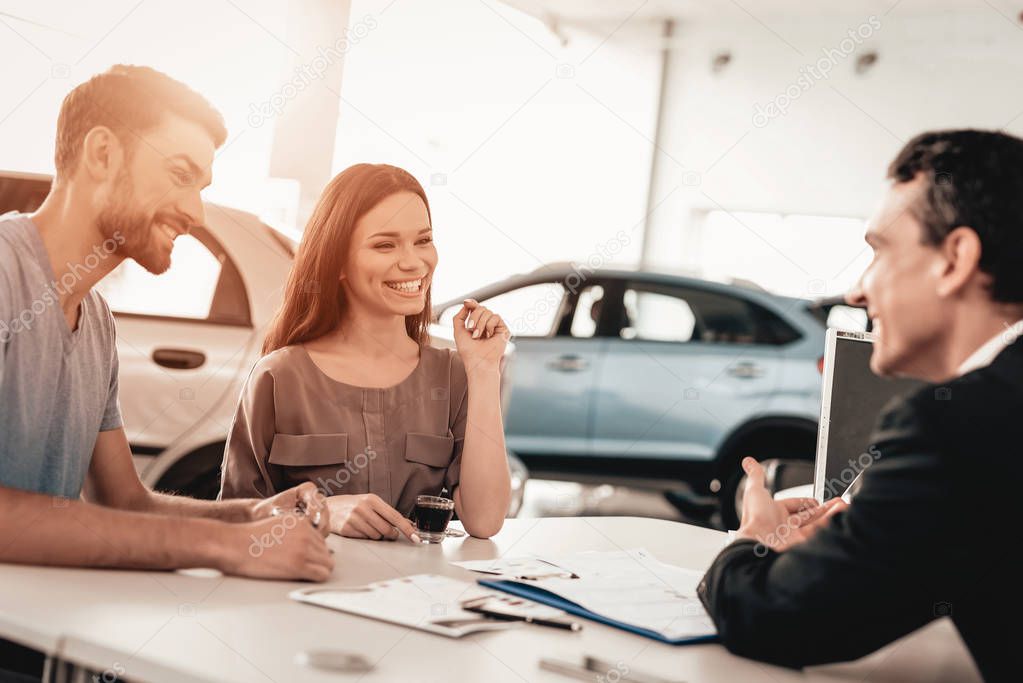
413	286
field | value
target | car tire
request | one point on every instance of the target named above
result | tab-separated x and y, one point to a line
196	475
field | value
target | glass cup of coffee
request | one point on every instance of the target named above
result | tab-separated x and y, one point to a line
431	516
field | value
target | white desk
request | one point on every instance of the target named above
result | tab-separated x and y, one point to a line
166	626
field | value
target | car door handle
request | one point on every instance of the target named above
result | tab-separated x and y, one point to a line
745	370
179	359
569	363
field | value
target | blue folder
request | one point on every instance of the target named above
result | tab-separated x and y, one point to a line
547	598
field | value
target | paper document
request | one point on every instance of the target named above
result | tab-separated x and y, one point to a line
425	601
515	567
628	586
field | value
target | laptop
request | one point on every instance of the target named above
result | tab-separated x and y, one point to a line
852	398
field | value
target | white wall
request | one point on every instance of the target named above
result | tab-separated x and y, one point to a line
230	53
827	155
530	151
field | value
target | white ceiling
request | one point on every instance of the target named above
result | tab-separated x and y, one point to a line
593	12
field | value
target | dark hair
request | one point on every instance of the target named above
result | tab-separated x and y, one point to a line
314	301
973	178
128	100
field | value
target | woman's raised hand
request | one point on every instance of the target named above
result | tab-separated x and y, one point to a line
480	335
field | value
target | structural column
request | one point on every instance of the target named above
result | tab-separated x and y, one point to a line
305	131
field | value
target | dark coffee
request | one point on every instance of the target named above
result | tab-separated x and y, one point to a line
432	517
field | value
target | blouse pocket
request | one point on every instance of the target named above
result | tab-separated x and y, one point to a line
308	450
429	449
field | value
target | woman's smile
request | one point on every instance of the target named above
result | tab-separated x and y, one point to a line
407	288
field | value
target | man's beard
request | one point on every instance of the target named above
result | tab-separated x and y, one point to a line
121	220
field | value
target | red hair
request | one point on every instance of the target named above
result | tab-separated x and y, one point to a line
314	302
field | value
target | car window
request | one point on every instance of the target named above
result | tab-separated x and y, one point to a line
652	316
682	314
724	319
847	318
22	194
772	329
529	311
186	290
587	312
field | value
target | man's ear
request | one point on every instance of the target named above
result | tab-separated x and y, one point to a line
961	251
102	154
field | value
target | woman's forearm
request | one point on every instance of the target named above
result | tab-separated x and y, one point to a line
484	488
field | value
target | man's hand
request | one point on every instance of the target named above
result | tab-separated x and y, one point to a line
282	547
305	497
780	524
368	516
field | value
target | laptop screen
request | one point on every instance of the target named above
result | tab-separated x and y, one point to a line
851	400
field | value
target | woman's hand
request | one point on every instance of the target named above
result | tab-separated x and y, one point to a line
480	335
368	516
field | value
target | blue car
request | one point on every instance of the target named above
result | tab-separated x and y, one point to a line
622	373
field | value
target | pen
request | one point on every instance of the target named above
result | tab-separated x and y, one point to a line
853	488
504	616
553	575
568	625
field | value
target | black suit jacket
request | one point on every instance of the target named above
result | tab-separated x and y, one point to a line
933	531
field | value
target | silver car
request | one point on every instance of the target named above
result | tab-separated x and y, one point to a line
624	373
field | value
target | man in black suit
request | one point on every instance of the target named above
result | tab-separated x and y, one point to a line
932	530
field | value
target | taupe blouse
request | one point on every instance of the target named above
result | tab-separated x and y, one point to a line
295	424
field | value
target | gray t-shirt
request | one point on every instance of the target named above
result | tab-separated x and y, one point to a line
58	388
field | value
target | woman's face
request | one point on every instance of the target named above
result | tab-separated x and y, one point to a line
392	258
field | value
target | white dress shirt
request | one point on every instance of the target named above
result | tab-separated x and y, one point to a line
990	349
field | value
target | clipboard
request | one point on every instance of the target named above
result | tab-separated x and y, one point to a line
546	597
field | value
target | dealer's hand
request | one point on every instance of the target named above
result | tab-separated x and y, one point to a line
780	524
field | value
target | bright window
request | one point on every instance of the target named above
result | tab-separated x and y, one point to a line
796	255
184	291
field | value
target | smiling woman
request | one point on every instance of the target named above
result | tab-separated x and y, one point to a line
350	395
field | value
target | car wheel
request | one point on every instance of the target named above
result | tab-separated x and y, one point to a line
197	475
519	476
206	486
